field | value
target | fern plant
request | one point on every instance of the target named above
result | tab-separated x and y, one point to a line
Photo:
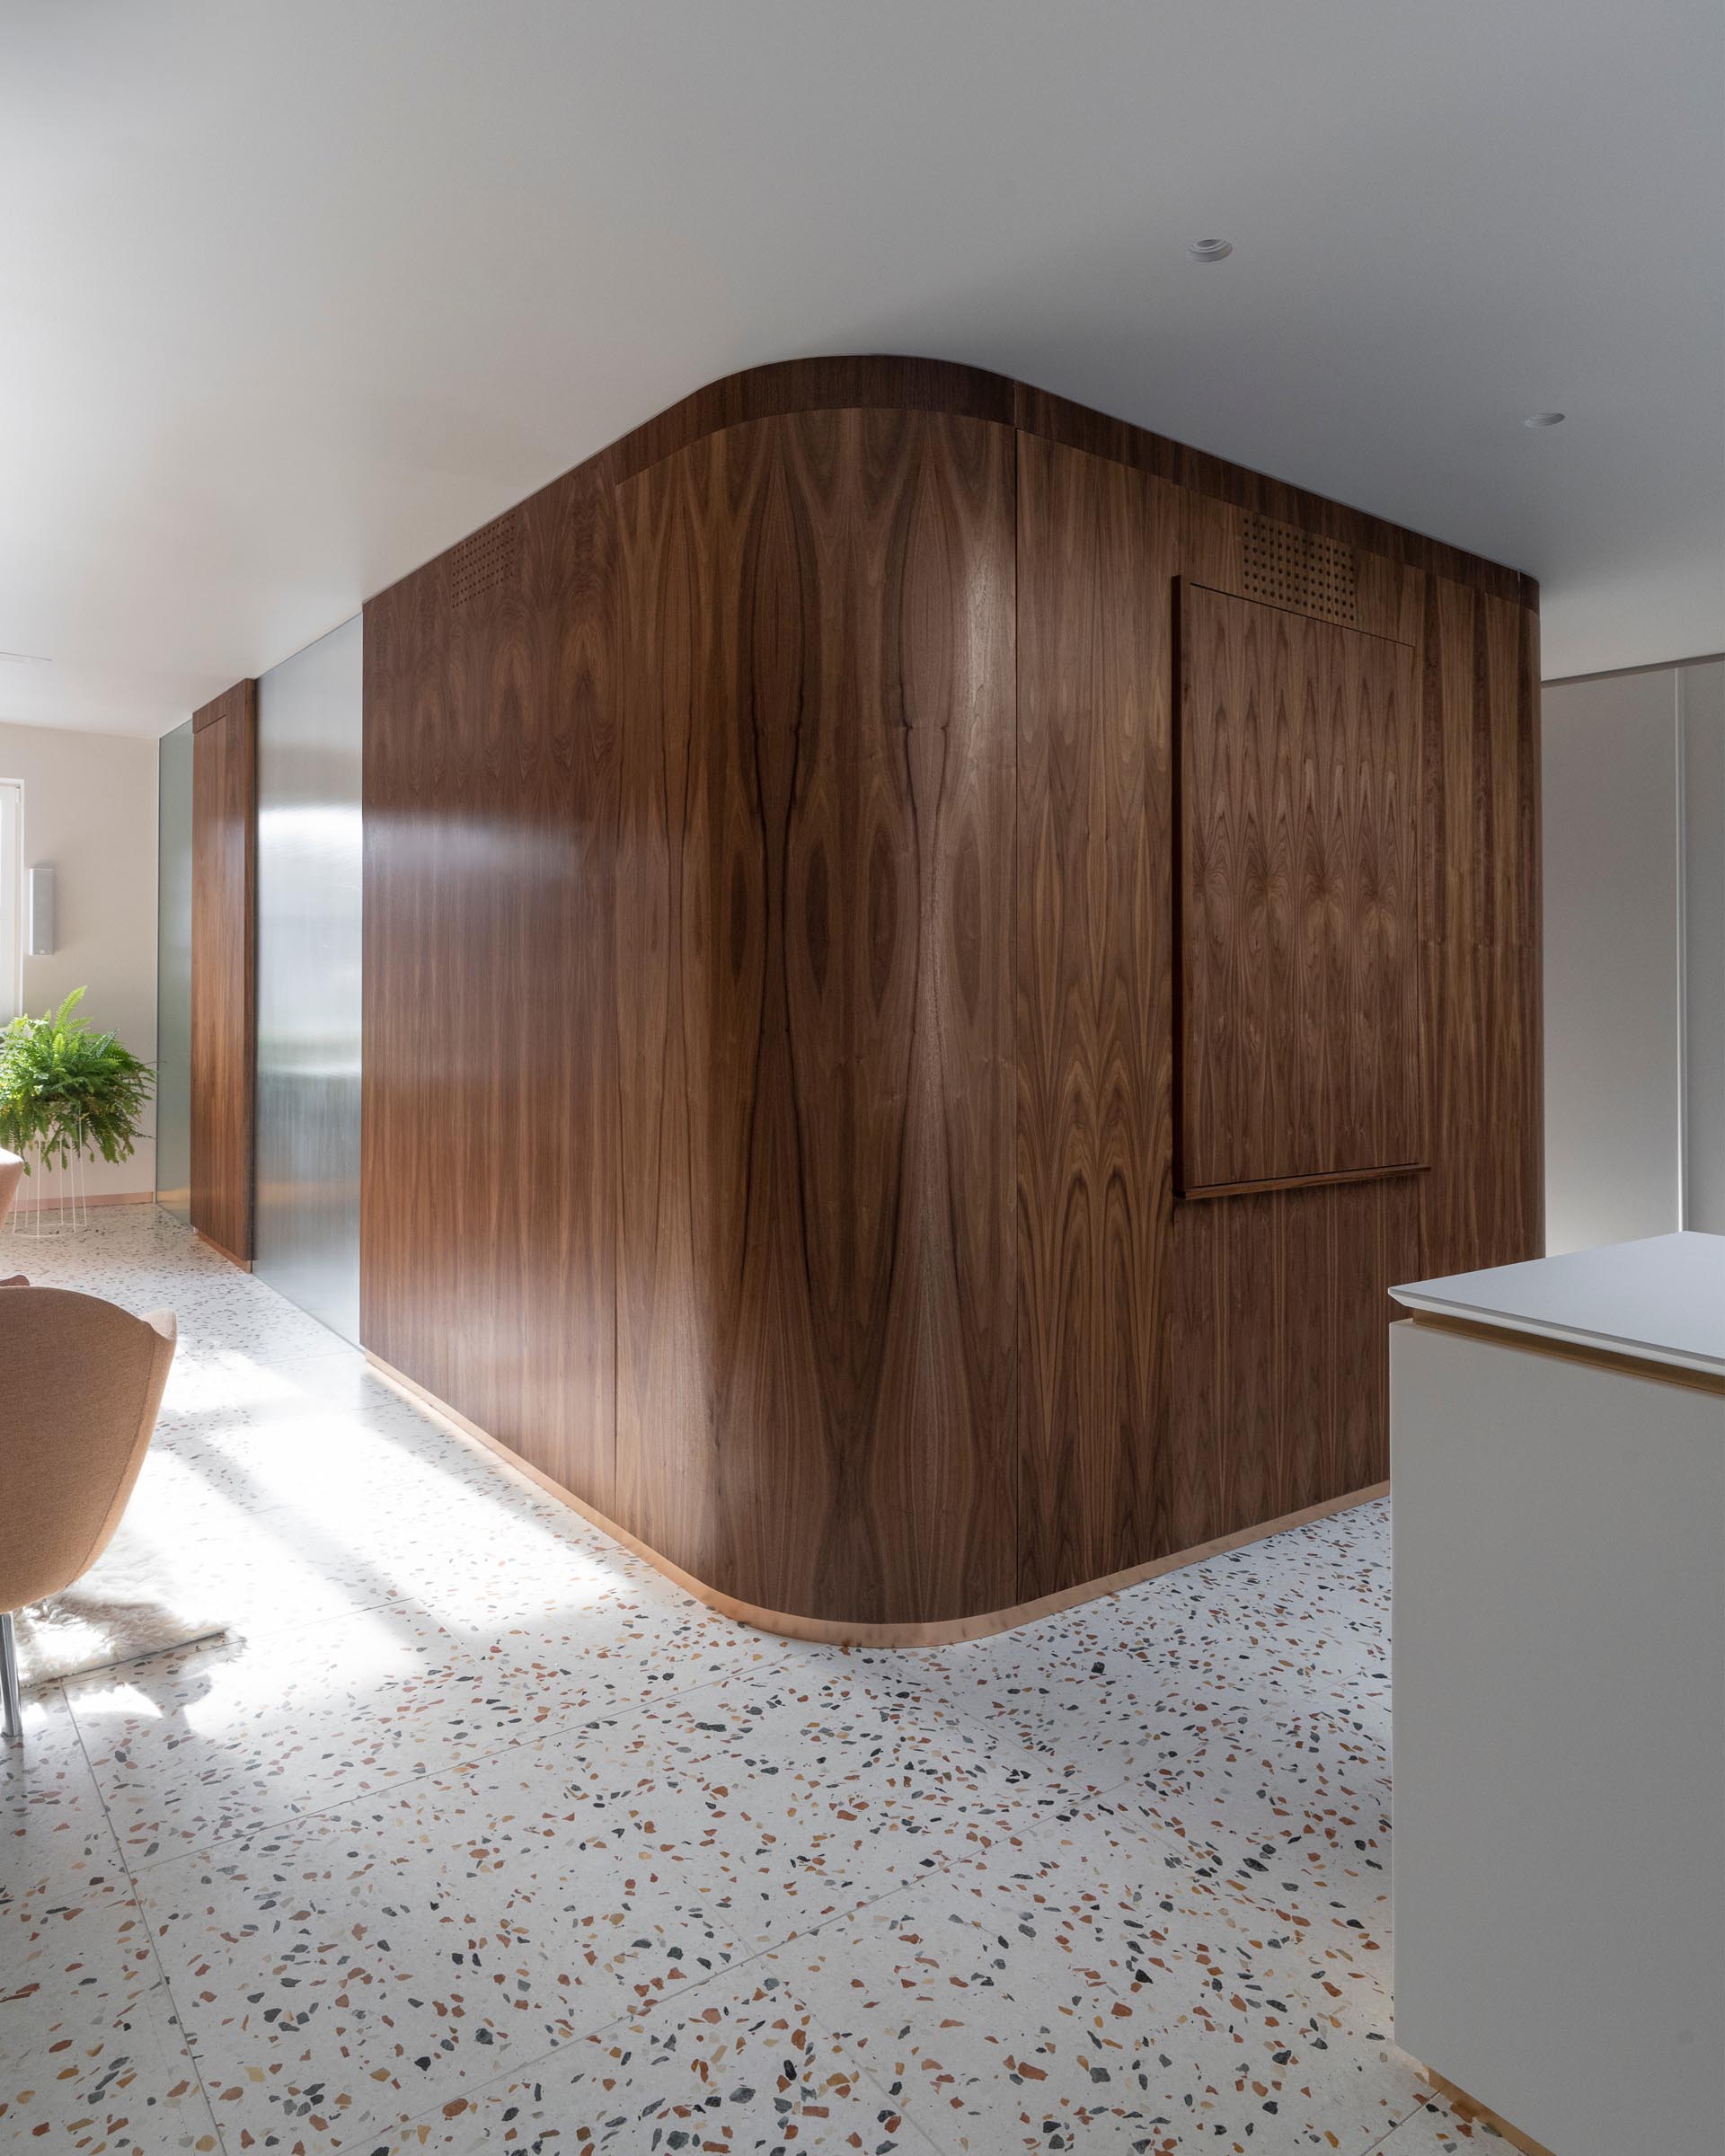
65	1090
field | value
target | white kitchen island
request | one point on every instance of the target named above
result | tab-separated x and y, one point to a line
1557	1460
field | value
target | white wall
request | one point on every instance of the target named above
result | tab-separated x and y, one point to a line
90	809
1634	929
1701	713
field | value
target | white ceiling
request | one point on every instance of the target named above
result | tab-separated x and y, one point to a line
293	295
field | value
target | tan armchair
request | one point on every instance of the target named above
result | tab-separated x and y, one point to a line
81	1381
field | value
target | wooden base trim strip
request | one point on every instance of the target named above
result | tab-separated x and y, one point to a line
838	1631
1570	1351
245	1264
1469	2107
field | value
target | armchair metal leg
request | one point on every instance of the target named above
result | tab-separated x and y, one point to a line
9	1696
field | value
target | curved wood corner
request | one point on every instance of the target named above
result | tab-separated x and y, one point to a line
776	1020
831	1631
786	388
898	381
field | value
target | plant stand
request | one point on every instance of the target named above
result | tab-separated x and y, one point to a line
54	1200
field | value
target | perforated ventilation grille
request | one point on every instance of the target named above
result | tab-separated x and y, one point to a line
1295	568
482	562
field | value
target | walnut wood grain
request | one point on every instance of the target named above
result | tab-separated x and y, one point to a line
849	1632
772	1003
1300	1182
1280	1368
1299	977
1483	1203
887	381
1098	544
815	1362
489	1182
223	935
1205	477
787	388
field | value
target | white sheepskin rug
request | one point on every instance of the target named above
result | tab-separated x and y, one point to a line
131	1602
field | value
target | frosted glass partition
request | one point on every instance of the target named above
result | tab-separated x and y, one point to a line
174	973
306	1242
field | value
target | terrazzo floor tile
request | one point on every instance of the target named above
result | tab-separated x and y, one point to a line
1281	1789
58	1857
1093	1683
1247	1633
287	1449
225	1738
830	1758
230	1329
219	1739
1298	1806
1242	1602
284	1565
1090	1727
327	1431
1344	1968
1115	1850
1274	1829
1435	2130
779	1715
381	1959
748	2068
472	1808
793	1819
356	1505
92	2057
976	2012
255	1570
787	1846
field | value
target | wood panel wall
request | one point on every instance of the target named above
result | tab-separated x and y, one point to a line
224	938
815	1025
772	858
1484	1193
1098	547
489	1138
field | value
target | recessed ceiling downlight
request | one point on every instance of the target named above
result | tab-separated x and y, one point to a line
1209	250
1543	419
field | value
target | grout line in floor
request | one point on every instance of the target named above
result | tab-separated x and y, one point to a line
669	2006
460	1763
180	2023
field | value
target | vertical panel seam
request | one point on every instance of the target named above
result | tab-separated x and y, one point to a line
1015	1243
1680	859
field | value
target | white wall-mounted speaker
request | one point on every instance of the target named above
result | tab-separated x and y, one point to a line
41	911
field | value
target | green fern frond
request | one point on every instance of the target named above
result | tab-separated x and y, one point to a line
65	1090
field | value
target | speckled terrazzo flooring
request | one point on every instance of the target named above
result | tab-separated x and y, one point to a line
475	1833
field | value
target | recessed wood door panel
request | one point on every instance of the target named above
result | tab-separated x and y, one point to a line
815	1264
1280	1358
223	1024
1299	944
1098	544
